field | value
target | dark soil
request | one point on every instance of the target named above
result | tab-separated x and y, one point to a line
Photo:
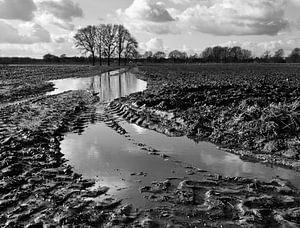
252	110
39	189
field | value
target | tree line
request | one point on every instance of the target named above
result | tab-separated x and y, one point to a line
106	40
210	54
215	54
220	54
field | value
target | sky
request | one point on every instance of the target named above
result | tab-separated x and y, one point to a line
36	27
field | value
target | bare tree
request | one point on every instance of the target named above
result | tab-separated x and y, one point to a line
235	53
246	54
279	56
85	40
219	54
207	54
295	55
109	40
100	41
175	55
147	55
159	55
131	46
122	36
266	56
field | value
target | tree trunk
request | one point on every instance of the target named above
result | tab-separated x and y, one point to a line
120	47
108	56
100	57
93	55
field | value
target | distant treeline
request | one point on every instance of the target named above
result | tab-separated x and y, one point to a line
220	54
48	59
215	54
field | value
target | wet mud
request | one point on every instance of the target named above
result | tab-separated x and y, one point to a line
38	188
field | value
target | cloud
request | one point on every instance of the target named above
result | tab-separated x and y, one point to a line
59	39
17	9
237	17
188	50
154	45
62	9
47	19
148	10
28	33
217	17
63	38
63	24
295	2
148	16
150	27
24	50
58	12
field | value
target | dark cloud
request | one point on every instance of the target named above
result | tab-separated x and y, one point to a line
17	9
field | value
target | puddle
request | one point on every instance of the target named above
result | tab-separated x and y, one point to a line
108	86
116	161
206	156
112	159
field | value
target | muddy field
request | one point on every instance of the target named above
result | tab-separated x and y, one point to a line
39	189
251	110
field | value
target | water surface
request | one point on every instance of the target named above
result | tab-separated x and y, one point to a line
207	156
108	86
